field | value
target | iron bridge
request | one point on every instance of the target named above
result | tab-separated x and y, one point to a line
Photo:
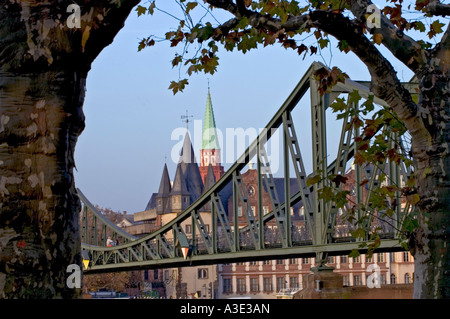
321	232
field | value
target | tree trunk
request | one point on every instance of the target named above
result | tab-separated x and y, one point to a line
44	61
430	243
41	119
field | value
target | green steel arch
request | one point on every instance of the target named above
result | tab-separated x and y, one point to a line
319	234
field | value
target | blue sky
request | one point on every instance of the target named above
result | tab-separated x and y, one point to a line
131	113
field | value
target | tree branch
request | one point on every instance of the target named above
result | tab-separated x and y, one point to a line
227	5
436	8
108	19
402	46
442	52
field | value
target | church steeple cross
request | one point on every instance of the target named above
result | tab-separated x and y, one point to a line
186	117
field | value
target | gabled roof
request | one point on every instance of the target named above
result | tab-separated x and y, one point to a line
209	135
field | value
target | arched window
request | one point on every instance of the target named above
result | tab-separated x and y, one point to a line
407	279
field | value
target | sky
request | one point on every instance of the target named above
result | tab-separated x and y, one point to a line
133	121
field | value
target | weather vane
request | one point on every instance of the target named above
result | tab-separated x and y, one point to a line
186	118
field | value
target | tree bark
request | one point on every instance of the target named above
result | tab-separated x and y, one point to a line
430	243
43	69
41	119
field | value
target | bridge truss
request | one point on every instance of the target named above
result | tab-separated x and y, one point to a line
320	231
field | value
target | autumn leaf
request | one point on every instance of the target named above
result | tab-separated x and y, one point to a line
141	10
190	6
378	38
413	199
435	28
313	180
338	179
178	86
151	8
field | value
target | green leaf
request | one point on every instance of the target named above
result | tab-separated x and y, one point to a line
435	28
354	97
313	180
343	46
354	253
323	42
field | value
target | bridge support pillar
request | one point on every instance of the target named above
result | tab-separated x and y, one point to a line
323	283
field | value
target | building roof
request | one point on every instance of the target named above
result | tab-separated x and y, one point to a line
164	185
152	202
209	135
210	178
187	154
179	184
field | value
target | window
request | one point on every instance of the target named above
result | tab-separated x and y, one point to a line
239	211
280	283
265	209
202	273
343	259
267	281
380	257
267	262
280	261
155	274
146	275
253	263
406	256
302	211
254	284
305	261
331	260
188	229
383	279
227	285
292	261
392	257
293	282
407	279
356	280
345	280
392	279
241	285
356	259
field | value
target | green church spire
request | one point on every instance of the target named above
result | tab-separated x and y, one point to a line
209	136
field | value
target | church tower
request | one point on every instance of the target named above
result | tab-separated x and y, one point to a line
210	151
